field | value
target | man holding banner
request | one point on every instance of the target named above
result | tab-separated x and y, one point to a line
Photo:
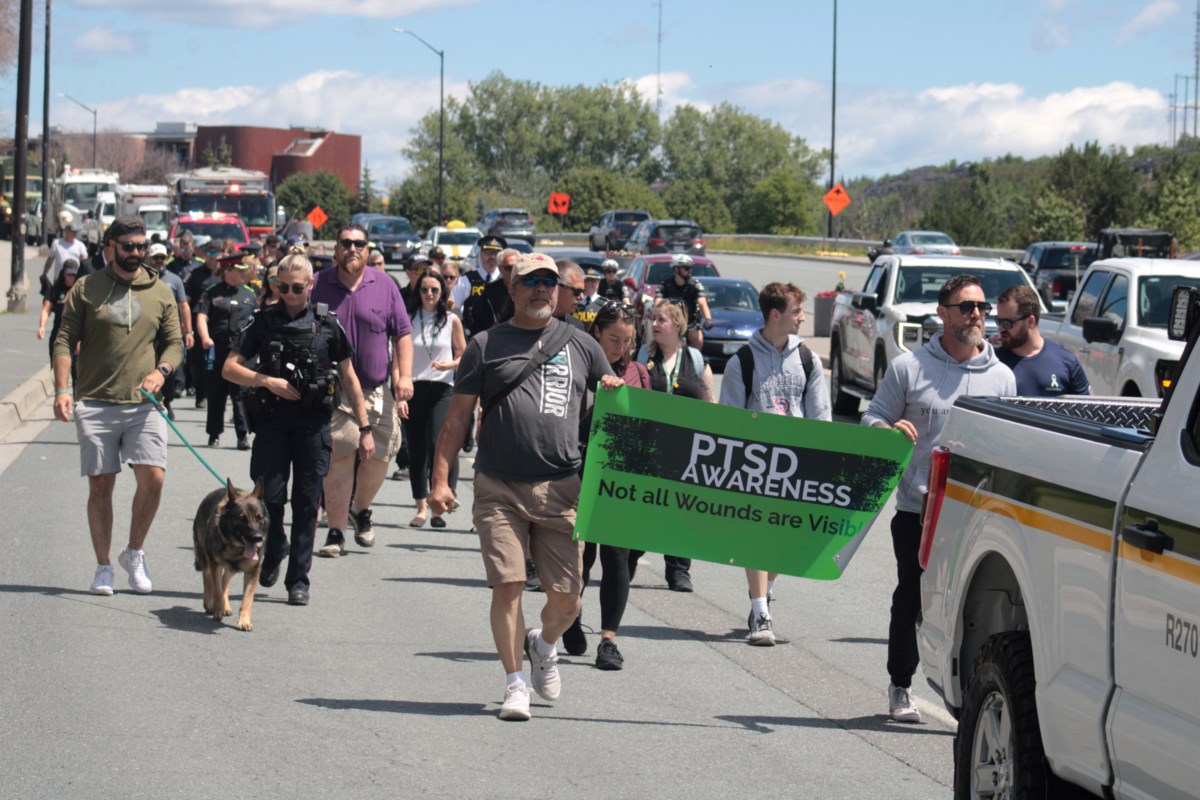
531	375
775	374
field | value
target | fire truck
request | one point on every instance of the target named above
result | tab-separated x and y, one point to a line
229	190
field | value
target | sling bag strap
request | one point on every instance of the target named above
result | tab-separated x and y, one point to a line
551	347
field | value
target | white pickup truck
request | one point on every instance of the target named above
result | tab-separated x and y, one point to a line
1116	323
1061	594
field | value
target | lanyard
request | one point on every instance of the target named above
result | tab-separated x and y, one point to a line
424	337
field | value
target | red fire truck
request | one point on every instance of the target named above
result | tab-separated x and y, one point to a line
246	193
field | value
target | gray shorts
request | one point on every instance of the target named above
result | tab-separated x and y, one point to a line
111	434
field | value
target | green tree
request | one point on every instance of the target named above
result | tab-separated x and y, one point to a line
965	209
367	199
304	191
594	191
416	197
1103	184
698	201
785	203
219	156
1053	217
1178	209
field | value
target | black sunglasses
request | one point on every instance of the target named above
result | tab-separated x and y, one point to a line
430	290
534	281
295	288
614	310
572	290
967	306
133	247
348	243
1007	324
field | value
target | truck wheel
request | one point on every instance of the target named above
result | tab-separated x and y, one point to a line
998	749
843	403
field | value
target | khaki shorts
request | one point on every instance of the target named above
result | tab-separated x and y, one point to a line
516	518
385	426
111	434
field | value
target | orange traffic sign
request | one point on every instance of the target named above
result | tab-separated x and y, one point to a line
318	217
560	203
836	199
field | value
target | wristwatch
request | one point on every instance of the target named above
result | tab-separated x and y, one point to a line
364	428
165	370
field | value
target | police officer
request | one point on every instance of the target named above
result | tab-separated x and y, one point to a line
224	310
205	274
468	292
682	285
298	347
610	287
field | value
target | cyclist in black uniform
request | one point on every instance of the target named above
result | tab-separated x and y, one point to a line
682	285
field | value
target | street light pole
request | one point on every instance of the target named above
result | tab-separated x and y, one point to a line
833	117
86	108
441	54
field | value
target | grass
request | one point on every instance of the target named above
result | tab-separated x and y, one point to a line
767	246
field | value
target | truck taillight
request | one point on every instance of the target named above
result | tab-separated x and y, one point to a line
1056	288
656	242
939	469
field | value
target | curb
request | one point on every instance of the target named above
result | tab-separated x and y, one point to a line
18	407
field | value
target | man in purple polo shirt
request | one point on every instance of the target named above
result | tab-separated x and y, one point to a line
369	307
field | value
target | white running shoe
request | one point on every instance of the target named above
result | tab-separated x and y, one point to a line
134	562
761	634
544	669
516	702
902	705
102	583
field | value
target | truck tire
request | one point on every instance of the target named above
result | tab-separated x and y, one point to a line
998	748
844	404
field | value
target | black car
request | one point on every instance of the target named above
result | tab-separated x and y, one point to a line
614	229
394	236
666	236
511	223
1054	268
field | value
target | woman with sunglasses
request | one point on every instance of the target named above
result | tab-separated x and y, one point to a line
439	341
680	370
613	327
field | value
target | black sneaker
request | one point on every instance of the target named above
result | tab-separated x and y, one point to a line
574	642
201	403
243	443
335	544
364	533
608	657
532	582
214	441
298	596
680	582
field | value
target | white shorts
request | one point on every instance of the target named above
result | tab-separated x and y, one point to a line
111	434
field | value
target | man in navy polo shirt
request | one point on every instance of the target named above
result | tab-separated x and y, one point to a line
368	305
1043	368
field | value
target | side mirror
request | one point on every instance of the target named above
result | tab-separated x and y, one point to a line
629	282
1101	329
865	301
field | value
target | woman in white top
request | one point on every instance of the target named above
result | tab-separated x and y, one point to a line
438	342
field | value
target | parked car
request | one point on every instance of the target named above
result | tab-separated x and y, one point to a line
394	236
666	236
511	223
1060	599
456	242
584	258
917	243
1055	268
896	311
614	229
1116	324
217	225
736	316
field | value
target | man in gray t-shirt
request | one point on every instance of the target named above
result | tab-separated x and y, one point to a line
527	471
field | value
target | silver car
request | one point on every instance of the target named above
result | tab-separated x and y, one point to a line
923	243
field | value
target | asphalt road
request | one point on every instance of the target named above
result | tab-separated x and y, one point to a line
387	684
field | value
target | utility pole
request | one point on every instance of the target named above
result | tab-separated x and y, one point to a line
658	68
833	121
1196	75
45	232
1186	79
16	291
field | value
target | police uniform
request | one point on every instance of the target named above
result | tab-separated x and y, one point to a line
194	286
587	313
614	290
293	436
689	292
229	309
476	314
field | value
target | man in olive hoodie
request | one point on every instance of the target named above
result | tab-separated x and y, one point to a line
126	324
915	397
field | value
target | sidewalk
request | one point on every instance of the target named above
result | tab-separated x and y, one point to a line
25	378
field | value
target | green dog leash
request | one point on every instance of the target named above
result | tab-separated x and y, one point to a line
158	407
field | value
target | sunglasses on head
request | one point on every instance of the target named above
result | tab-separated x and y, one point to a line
295	288
1007	324
613	309
534	281
133	247
349	243
967	306
572	290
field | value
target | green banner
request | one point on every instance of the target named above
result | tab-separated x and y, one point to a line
675	475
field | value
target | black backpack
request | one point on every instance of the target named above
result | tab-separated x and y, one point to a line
746	360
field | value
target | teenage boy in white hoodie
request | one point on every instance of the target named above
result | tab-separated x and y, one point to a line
785	378
915	398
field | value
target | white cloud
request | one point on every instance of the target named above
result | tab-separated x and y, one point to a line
674	85
105	41
269	13
1154	14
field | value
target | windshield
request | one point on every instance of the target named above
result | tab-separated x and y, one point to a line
736	296
154	220
677	233
661	270
108	210
1064	258
218	231
84	194
256	210
932	238
463	239
1154	297
514	218
921	284
397	226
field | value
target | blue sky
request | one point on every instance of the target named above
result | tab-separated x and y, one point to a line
919	82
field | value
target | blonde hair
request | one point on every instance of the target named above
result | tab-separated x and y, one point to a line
673	310
295	262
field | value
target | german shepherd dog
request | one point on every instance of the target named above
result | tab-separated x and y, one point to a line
228	535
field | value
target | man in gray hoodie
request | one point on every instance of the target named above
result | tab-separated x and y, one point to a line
915	397
786	378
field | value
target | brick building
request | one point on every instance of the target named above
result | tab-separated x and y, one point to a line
283	152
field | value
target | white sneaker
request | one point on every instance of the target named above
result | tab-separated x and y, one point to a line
901	704
102	583
543	669
516	702
761	634
134	562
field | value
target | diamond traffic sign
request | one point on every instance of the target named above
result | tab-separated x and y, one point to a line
836	199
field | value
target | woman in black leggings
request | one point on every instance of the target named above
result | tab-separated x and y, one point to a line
614	328
438	341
